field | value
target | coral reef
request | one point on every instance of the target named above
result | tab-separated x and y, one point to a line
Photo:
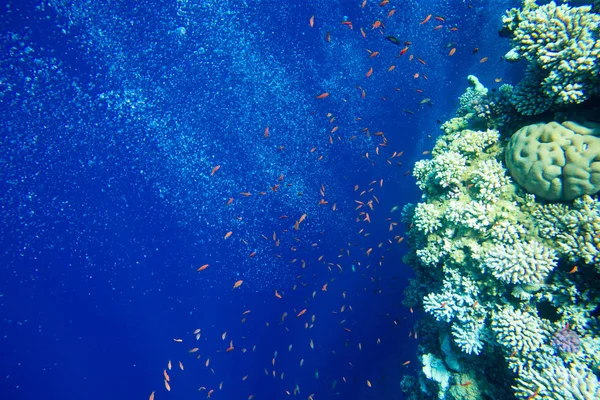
508	272
500	272
562	45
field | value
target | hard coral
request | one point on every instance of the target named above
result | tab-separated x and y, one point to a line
563	47
557	162
566	340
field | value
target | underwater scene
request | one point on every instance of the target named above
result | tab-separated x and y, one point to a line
300	199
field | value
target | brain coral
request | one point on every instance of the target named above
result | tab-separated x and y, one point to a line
557	162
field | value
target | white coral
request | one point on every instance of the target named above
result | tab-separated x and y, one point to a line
423	171
427	218
471	143
518	330
491	180
449	168
556	381
468	336
522	262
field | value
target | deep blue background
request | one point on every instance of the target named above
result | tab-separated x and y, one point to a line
113	118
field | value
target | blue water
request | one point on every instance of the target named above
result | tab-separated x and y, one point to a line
114	114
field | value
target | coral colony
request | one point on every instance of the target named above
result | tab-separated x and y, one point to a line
566	340
506	241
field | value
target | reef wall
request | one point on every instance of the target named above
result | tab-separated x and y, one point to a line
506	241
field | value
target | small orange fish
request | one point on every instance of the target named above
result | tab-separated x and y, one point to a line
452	51
438	27
427	18
167	386
376	24
573	270
467	383
228	234
368	383
202	268
484	59
301	313
392	11
237	284
266	134
453	29
215	169
369	72
391	68
328	37
151	396
406	362
277	294
402	52
374	54
383	3
362	32
230	201
421	61
210	392
441	19
322	95
167	378
312	21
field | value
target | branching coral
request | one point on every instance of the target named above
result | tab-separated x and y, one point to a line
575	228
490	266
518	330
563	47
557	381
522	262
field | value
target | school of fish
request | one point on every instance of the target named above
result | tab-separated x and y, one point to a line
350	259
